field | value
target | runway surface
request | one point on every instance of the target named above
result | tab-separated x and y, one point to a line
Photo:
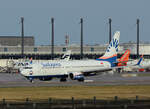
17	80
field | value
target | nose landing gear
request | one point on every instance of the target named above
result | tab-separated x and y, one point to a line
63	80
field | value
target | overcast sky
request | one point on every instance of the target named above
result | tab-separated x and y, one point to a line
67	14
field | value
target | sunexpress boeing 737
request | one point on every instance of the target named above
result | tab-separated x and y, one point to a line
75	69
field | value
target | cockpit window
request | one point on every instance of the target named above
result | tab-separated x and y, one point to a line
23	64
27	67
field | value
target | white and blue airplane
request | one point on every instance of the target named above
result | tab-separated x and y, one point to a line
75	69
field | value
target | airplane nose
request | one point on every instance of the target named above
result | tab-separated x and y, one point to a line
23	72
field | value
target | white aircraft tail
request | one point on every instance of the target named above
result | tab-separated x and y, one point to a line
112	50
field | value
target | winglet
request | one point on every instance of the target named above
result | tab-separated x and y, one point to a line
140	60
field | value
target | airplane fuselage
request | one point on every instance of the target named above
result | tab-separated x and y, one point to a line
58	68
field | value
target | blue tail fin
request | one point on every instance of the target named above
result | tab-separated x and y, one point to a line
140	60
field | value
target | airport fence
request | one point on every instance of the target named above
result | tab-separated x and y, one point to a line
73	103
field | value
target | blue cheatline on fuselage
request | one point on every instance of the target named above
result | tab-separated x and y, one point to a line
112	60
46	76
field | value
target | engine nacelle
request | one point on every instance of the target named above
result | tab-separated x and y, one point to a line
77	76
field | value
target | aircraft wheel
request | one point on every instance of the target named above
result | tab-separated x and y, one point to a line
63	80
81	79
31	80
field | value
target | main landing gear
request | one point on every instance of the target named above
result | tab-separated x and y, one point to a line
81	79
31	80
63	80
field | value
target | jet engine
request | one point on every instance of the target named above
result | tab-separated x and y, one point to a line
76	76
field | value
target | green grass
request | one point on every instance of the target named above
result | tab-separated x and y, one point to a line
143	74
79	92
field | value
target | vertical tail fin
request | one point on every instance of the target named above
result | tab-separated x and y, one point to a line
124	58
66	56
112	50
140	60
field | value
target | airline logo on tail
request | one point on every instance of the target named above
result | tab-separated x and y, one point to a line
124	59
112	50
114	43
66	56
113	46
139	62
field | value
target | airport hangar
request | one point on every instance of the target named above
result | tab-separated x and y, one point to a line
10	47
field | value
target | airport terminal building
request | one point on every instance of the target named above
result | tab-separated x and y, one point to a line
11	46
16	40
